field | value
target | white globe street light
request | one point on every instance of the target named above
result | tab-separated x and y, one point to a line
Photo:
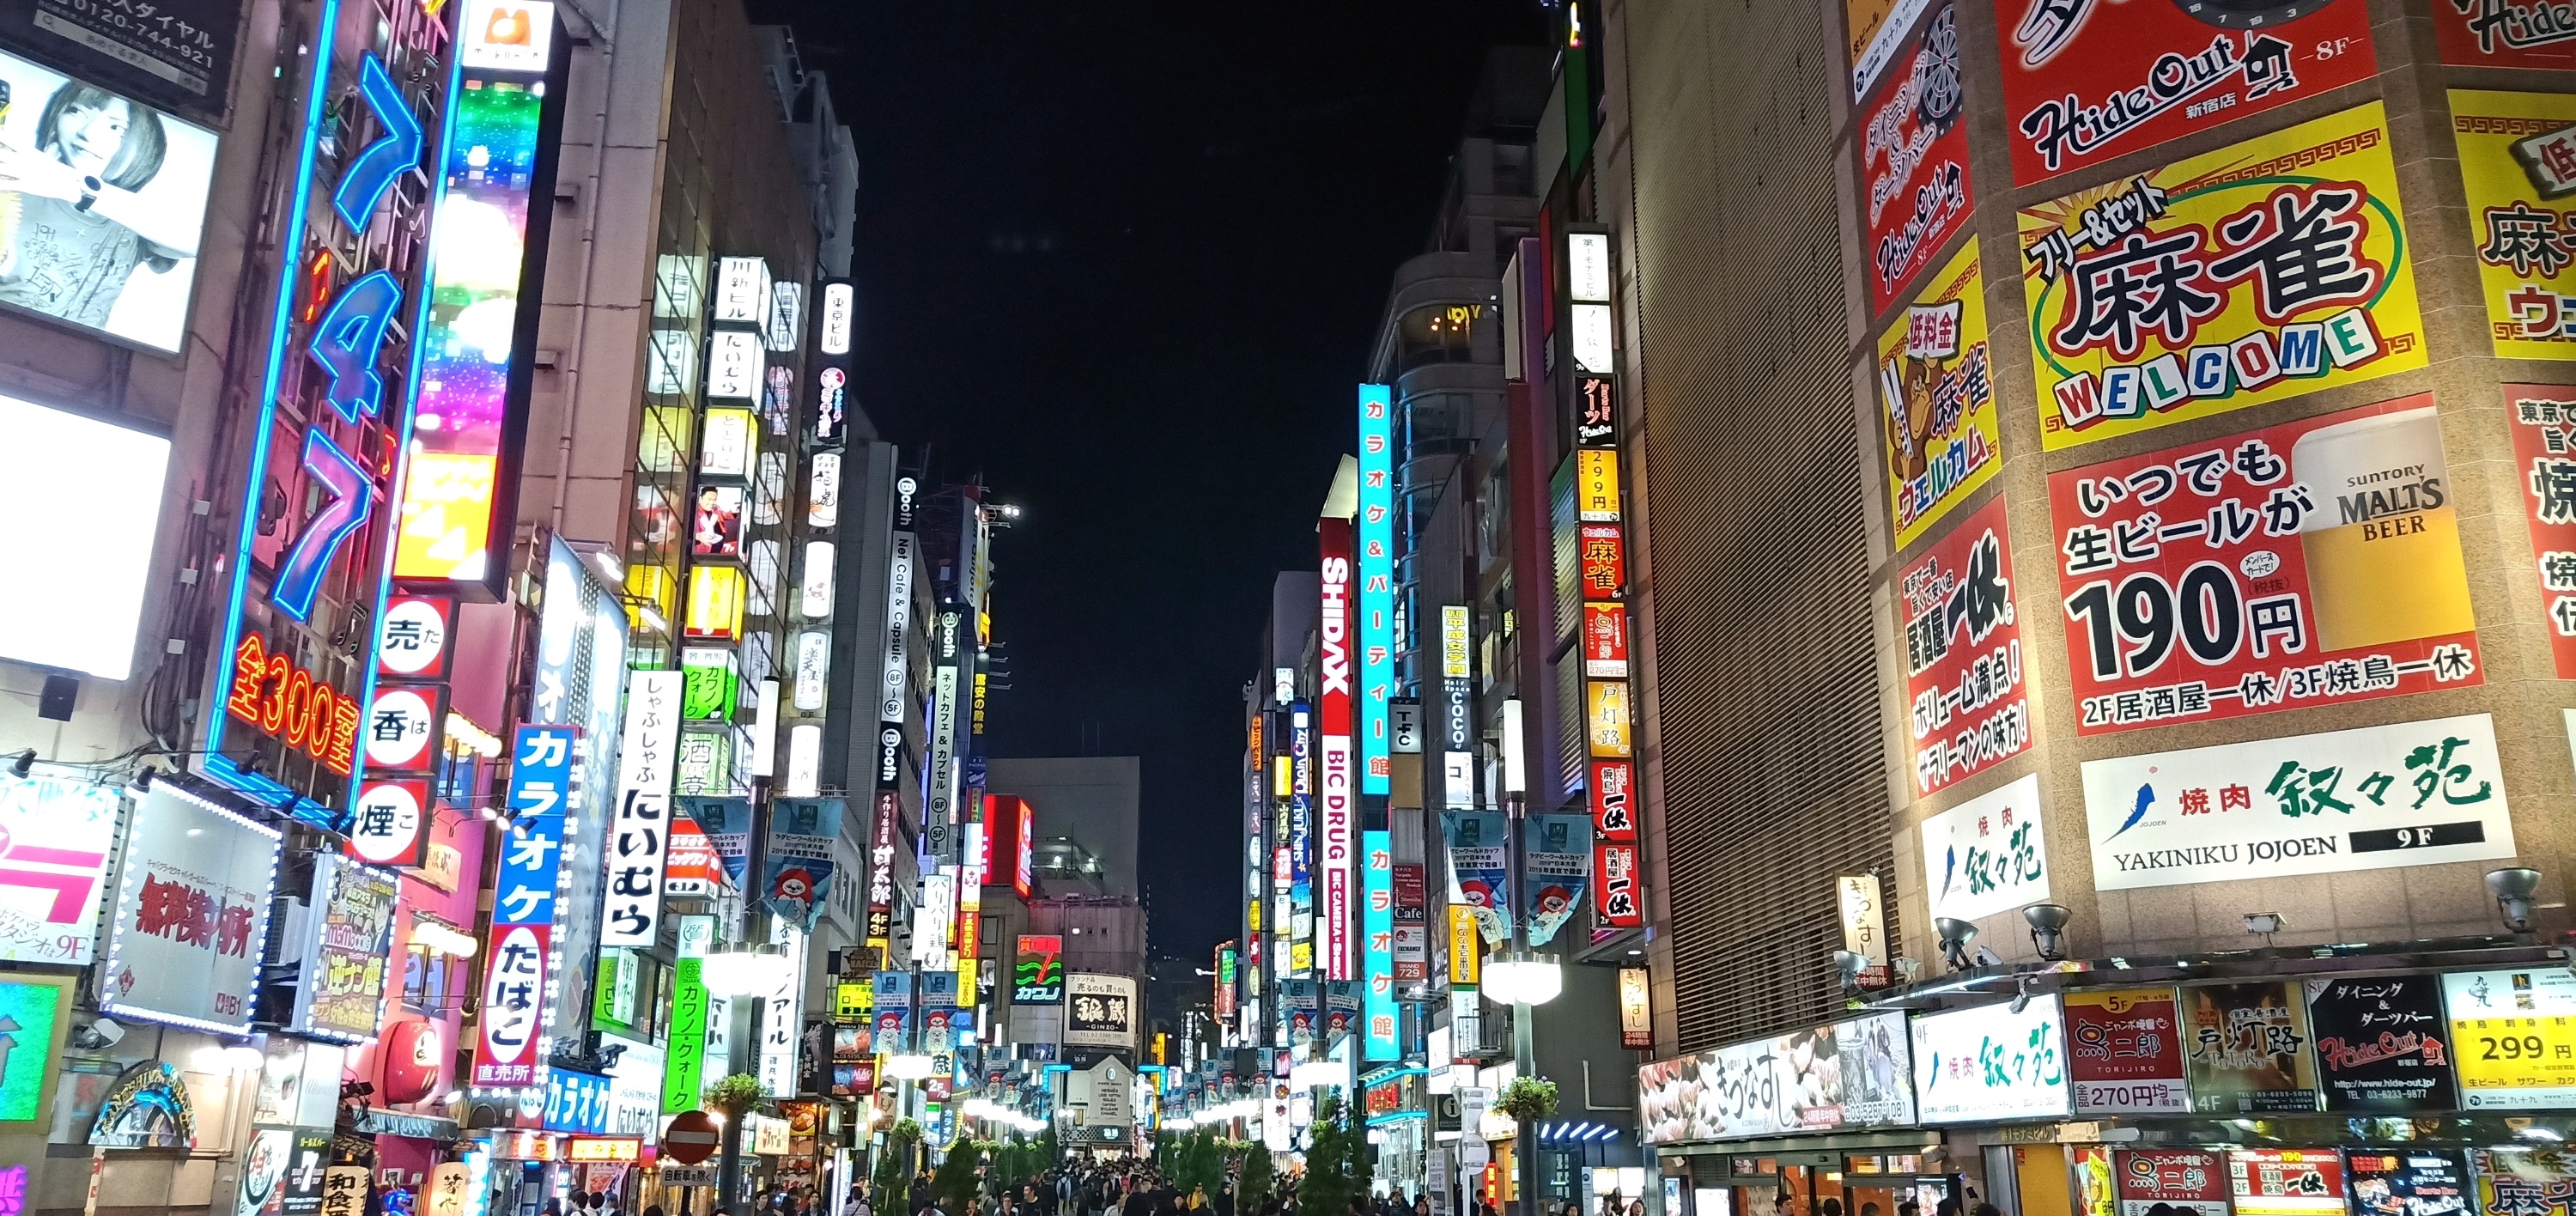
1523	978
746	972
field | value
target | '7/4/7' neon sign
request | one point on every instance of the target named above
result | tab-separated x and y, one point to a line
345	346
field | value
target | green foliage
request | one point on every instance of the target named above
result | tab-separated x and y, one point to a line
1253	1184
956	1183
736	1096
1194	1159
1527	1099
892	1179
892	1182
1017	1162
1337	1160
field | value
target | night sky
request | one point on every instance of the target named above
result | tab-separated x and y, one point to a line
1124	259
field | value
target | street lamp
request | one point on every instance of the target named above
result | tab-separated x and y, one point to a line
751	971
1521	978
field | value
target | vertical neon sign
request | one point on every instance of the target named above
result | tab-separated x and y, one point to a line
462	491
1377	583
1377	929
1334	789
350	452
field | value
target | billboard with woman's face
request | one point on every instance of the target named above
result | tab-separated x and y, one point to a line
102	203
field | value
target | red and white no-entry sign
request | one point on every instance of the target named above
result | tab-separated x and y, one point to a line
692	1138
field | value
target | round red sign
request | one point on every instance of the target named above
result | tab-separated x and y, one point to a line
692	1138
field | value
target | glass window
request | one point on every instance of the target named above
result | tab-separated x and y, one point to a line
432	982
1438	333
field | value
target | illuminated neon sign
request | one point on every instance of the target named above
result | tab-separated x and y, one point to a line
350	444
472	422
1376	584
288	703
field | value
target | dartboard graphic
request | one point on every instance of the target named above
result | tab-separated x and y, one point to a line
1936	72
2252	14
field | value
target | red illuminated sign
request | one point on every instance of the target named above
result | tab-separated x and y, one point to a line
389	825
1605	641
1010	825
1024	869
1605	561
1614	800
1338	850
1621	876
290	704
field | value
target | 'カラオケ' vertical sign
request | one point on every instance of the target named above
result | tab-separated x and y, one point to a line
518	955
1376	599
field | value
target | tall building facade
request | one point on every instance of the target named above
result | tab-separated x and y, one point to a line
1444	612
449	708
2037	803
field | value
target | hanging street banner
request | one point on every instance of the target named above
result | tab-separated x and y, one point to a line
1479	870
2255	273
2373	798
797	872
2303	564
1969	708
1556	858
1987	855
1914	158
2085	82
2518	167
1936	399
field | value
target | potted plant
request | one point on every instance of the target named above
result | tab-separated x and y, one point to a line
1527	1099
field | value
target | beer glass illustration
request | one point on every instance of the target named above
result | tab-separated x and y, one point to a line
2383	542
